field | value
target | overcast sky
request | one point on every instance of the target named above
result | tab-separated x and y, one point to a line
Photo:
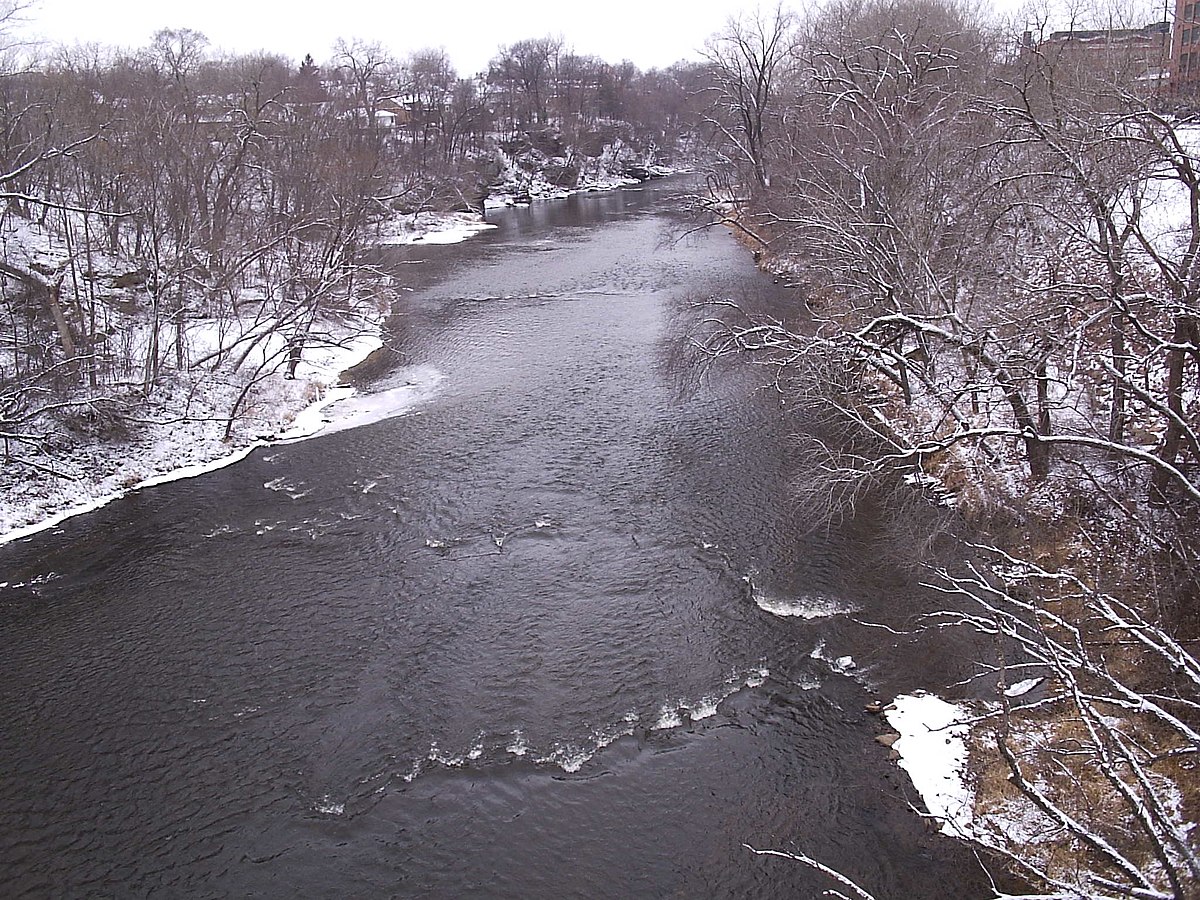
651	33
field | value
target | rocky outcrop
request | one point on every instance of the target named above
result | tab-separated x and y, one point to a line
545	162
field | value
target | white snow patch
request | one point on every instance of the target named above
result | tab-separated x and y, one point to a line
344	408
432	228
933	751
1021	688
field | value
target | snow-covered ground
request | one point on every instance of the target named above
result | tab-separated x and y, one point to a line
431	228
167	446
540	189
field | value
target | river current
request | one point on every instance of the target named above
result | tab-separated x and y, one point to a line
560	631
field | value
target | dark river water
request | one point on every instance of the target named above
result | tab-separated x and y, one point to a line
511	644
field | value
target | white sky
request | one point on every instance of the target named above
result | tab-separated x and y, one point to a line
651	33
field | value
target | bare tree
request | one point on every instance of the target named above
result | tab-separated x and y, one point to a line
750	64
1100	757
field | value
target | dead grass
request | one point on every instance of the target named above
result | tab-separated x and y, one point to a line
1054	750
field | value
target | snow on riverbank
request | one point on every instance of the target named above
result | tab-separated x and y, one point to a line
166	445
431	228
184	430
538	188
933	751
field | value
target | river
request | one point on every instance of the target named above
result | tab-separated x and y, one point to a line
511	644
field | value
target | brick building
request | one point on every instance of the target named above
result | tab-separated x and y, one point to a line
1185	47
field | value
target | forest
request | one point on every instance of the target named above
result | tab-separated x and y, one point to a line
992	234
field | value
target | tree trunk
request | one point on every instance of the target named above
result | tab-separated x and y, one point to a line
1173	440
1117	415
60	320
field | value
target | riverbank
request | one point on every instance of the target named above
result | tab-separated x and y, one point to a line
205	419
1065	741
184	429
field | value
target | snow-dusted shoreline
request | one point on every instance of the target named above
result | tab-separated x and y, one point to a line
169	447
175	450
539	189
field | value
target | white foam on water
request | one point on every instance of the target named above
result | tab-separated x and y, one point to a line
668	716
517	746
571	756
32	582
841	665
705	708
568	757
802	607
437	755
671	713
328	807
282	484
